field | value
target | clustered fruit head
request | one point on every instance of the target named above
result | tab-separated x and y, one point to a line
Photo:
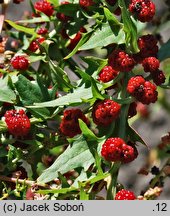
121	61
45	7
143	9
107	74
20	62
125	195
115	149
18	123
86	3
69	125
105	112
42	31
144	91
148	46
34	45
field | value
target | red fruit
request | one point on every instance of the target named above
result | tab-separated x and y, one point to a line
121	61
158	77
125	195
107	74
143	9
134	84
17	122
69	125
42	31
105	112
115	149
144	91
86	3
76	39
45	7
62	16
150	64
148	46
34	45
19	63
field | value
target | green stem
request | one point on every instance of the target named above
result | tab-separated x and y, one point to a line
111	190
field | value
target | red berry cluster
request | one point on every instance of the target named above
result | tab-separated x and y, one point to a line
107	74
121	61
42	31
34	45
125	195
144	91
17	122
143	9
74	41
115	149
86	3
62	16
20	63
105	112
69	125
45	7
148	47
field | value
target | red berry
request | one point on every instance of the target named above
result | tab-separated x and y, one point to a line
107	74
17	122
69	125
115	149
86	3
150	64
76	39
144	91
19	63
158	77
148	46
42	31
125	195
45	7
62	16
143	9
34	45
121	61
105	112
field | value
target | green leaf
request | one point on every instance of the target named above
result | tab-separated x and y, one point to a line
84	38
58	191
94	64
6	94
54	2
68	9
31	93
76	97
129	27
104	36
111	18
60	76
76	155
164	51
26	30
95	91
3	126
90	136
